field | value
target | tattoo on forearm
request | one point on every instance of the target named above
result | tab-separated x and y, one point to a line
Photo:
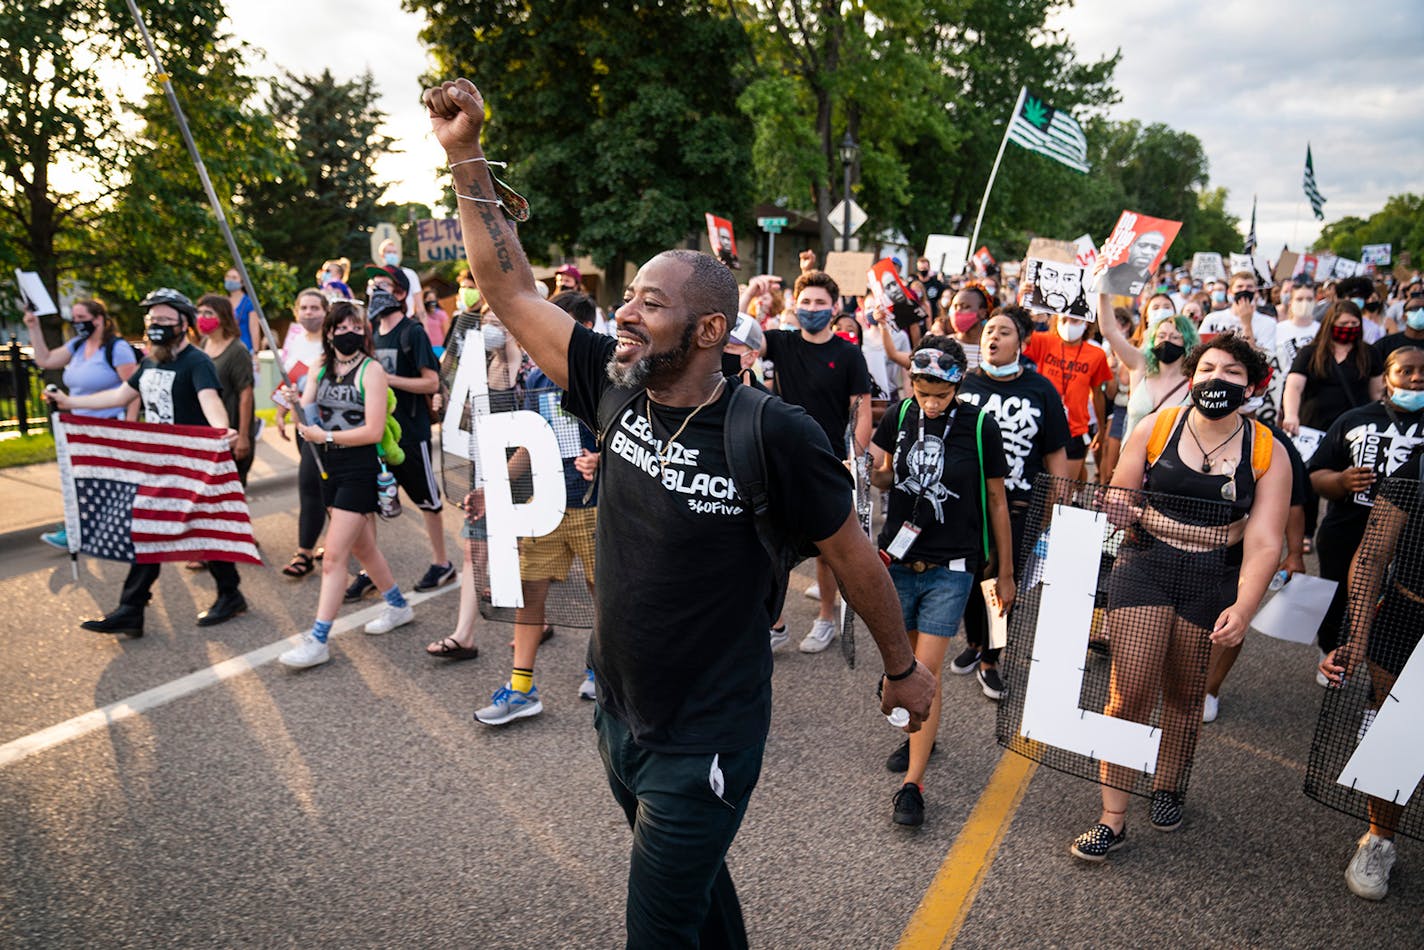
495	226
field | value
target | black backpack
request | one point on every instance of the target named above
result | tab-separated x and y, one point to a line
746	458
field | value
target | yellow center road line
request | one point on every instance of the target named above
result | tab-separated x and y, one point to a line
951	894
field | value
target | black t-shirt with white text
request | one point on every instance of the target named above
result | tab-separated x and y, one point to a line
937	482
682	597
170	390
1031	421
819	377
1377	436
405	351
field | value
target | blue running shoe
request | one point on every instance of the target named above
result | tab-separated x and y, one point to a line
57	539
509	704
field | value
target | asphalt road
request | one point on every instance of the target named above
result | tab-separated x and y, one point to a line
357	804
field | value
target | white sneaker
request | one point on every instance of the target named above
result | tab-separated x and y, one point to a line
1210	707
779	638
820	637
310	652
1367	874
814	592
391	618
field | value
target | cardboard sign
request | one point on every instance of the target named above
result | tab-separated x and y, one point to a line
1047	249
1133	251
1087	251
1286	266
891	290
1206	265
848	269
948	253
1376	254
439	239
1057	288
722	241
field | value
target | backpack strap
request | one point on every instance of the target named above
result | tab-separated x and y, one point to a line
1262	445
610	406
904	408
109	352
1162	433
983	484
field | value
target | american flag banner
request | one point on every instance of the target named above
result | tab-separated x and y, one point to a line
150	493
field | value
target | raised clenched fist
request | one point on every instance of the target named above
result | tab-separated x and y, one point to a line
457	110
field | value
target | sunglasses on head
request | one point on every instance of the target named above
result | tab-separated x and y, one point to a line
938	364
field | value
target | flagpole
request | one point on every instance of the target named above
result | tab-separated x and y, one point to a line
979	219
238	263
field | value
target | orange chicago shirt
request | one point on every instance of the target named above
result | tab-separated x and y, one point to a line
1074	369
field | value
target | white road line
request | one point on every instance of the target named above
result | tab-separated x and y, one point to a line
139	703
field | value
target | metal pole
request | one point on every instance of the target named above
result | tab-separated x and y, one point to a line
979	219
845	233
237	261
770	253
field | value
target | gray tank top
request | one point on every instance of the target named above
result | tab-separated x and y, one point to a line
339	400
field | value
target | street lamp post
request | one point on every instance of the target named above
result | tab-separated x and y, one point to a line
849	150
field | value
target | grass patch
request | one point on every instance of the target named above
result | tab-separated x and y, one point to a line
26	450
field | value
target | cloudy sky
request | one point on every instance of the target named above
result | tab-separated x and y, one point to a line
1253	81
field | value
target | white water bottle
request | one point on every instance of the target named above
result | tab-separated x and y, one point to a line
899	717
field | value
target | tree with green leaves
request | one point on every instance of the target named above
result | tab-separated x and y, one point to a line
1399	223
618	121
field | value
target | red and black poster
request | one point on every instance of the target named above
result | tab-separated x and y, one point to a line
1133	251
722	241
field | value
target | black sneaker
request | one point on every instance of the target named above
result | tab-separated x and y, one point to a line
965	662
436	576
1094	845
909	805
990	683
899	760
1166	811
361	587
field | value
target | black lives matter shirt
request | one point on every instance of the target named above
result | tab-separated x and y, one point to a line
405	351
1031	421
170	390
1378	437
681	611
821	378
937	482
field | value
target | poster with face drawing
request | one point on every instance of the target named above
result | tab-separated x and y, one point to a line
722	241
1057	288
1133	251
888	287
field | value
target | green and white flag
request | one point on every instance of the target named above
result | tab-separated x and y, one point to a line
1039	127
1312	193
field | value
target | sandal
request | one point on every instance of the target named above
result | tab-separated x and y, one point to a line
449	649
301	565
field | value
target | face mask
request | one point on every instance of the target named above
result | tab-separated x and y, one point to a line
84	330
1001	372
1071	330
963	320
333	276
391	259
469	297
1410	400
924	272
813	321
162	334
1344	334
1358	301
229	284
1414	319
312	324
207	325
383	302
1302	308
991	289
1184	288
1253	405
1168	352
1218	296
848	336
348	342
495	337
1160	314
1218	398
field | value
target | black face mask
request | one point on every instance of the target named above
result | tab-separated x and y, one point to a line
84	330
163	334
349	342
1168	352
1218	398
731	364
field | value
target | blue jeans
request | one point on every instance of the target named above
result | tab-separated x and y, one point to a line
932	602
684	811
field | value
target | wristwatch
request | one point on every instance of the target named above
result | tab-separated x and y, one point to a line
330	440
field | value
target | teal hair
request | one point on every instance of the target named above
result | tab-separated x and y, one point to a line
1190	338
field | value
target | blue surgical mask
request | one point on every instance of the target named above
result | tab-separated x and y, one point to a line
813	321
1414	318
1218	296
392	258
230	284
1358	301
1001	372
1410	400
1184	288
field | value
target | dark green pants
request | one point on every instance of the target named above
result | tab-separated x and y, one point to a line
684	811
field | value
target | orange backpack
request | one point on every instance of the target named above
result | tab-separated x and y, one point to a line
1262	442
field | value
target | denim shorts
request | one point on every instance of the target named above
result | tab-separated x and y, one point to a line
933	601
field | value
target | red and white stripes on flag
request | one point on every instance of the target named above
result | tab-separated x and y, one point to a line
149	493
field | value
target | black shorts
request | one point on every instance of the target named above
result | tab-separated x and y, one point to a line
1076	449
416	475
350	482
1396	632
1198	585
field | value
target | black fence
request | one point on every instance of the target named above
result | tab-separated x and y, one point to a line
22	383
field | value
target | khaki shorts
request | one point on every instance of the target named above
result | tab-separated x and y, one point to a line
549	557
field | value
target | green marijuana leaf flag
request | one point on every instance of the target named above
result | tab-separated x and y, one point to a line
1035	113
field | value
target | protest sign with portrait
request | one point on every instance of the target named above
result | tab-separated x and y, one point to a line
1133	250
889	289
722	241
1057	288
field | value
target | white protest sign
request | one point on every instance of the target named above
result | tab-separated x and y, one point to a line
1389	761
36	297
1307	440
1240	262
1051	713
1087	251
948	253
1376	254
493	433
1296	610
1207	265
1324	266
